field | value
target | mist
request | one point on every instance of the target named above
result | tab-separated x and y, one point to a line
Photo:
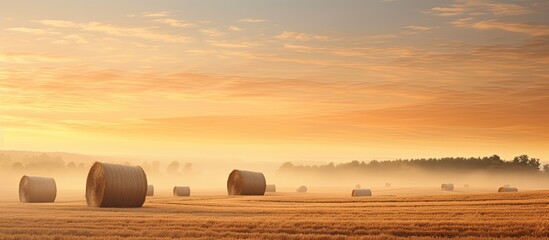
209	177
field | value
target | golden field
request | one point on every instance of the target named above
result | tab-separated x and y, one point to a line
389	214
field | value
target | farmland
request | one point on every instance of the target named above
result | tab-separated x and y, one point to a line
418	213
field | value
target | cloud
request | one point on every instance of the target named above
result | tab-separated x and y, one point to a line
300	36
464	92
26	58
58	23
176	23
419	28
481	7
121	31
151	14
212	32
76	38
447	11
463	22
525	28
235	28
251	20
225	44
36	31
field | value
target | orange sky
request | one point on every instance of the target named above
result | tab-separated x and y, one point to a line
293	81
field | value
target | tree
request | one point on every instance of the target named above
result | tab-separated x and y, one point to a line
188	168
17	166
71	165
546	169
173	167
286	166
534	163
156	166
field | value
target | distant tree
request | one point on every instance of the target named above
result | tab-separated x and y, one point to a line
17	166
525	162
156	167
495	157
492	163
71	165
546	169
534	163
188	168
286	166
173	167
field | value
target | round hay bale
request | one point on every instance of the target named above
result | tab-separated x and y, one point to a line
113	185
242	182
301	189
358	186
37	189
182	191
507	189
387	184
361	193
270	188
447	187
150	190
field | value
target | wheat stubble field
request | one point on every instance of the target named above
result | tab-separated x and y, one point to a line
523	215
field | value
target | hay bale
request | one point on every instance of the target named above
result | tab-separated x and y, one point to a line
358	186
113	185
301	189
387	184
242	182
37	189
361	193
150	190
447	187
270	188
507	189
182	191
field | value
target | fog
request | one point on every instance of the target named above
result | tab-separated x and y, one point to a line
207	177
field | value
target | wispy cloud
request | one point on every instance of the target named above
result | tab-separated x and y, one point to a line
526	28
448	11
251	20
212	32
235	28
23	58
151	14
286	35
475	7
177	23
114	30
226	44
37	31
59	23
419	28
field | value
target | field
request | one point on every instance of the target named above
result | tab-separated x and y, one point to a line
426	214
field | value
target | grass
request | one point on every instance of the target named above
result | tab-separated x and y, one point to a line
521	215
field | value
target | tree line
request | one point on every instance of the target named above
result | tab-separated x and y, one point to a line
494	163
47	162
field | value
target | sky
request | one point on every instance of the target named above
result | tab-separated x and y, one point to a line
286	80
